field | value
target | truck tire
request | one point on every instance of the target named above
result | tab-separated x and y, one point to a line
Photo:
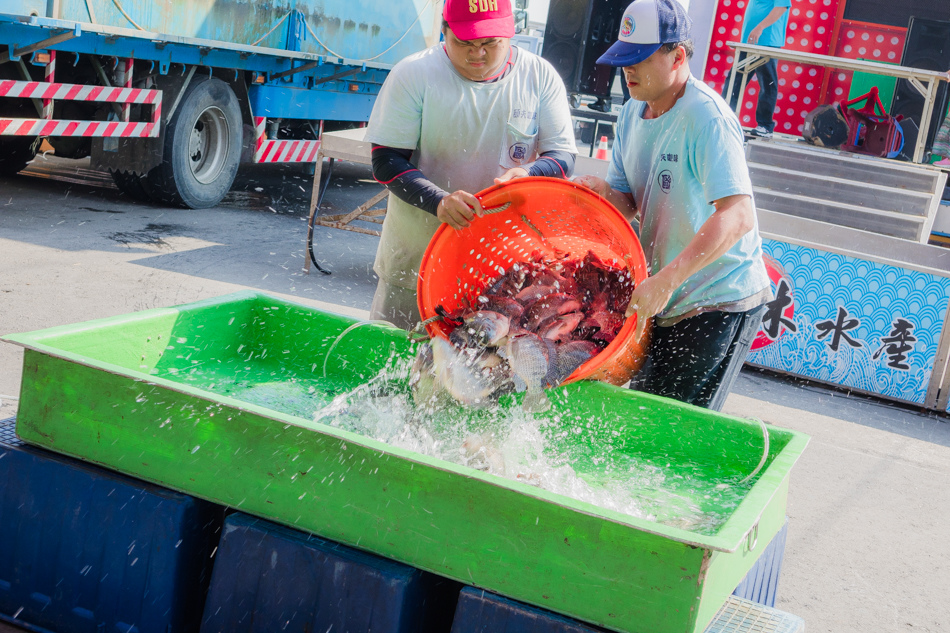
202	148
15	153
131	185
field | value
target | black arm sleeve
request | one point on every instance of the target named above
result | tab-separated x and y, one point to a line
556	163
391	167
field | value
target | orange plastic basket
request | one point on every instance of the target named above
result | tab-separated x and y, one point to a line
549	215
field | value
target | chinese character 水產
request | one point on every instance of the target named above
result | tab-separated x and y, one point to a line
896	344
838	327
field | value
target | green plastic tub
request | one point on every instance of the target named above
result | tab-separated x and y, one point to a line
217	399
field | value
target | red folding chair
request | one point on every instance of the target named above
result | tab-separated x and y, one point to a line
870	129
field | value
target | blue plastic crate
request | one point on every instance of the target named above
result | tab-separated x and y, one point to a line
268	577
479	611
85	550
483	612
761	583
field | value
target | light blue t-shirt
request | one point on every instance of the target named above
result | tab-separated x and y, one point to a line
773	35
675	166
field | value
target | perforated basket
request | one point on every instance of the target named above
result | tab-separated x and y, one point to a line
549	215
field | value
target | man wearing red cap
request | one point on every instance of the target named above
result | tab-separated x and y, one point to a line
451	120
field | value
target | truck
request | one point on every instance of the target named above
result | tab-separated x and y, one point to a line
171	97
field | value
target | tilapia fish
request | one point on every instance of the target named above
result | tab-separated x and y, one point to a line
485	328
570	356
529	358
469	378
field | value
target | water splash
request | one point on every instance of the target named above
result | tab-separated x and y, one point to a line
504	440
582	459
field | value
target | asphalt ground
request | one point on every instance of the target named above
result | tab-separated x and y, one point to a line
869	500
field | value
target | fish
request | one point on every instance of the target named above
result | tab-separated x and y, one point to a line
530	294
503	305
529	330
570	356
426	389
559	328
548	277
528	358
608	324
465	378
549	306
461	337
603	322
485	328
550	379
511	282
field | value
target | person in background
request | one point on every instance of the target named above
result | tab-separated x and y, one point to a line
678	167
448	122
764	25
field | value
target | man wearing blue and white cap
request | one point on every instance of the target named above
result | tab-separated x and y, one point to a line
678	166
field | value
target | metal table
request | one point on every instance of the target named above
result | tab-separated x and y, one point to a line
345	145
924	81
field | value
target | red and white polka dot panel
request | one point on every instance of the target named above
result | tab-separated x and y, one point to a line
859	40
810	29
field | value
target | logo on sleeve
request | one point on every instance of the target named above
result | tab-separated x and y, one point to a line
665	180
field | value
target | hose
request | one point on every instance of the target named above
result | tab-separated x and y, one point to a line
92	14
323	189
118	5
262	37
344	333
369	59
765	453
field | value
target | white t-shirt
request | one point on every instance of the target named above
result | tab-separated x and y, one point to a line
675	166
463	134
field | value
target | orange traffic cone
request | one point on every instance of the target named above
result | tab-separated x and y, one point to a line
602	149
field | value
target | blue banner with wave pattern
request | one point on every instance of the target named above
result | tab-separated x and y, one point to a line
851	322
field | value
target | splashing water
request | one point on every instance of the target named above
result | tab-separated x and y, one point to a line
504	440
557	453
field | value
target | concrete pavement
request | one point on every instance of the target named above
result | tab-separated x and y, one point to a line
869	503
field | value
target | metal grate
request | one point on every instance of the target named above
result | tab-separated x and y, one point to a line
8	434
745	616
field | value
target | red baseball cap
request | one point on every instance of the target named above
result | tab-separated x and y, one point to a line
478	19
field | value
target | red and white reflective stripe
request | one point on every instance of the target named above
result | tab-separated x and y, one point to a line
65	127
50	78
259	136
125	77
287	151
281	151
77	92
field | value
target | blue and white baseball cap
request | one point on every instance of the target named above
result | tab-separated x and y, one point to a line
645	26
